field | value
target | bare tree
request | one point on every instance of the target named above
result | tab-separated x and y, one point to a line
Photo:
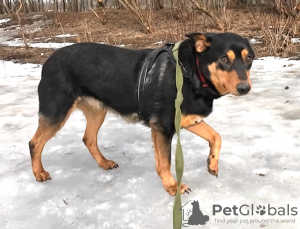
286	7
218	23
22	30
132	7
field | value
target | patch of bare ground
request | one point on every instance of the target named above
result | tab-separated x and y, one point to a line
23	55
119	27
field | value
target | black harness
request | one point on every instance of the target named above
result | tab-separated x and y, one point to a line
151	58
147	64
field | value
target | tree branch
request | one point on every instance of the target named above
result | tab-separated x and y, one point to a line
218	23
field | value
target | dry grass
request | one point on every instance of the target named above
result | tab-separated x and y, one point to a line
276	32
120	27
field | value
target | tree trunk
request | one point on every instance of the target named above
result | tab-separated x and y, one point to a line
42	6
1	7
64	5
9	4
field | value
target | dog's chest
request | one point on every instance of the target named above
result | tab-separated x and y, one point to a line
200	106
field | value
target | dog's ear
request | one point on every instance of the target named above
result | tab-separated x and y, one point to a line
201	41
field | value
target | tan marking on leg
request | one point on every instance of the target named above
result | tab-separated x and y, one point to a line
188	120
162	149
44	133
244	54
94	120
205	131
231	55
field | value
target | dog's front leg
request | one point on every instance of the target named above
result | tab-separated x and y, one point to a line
195	125
162	149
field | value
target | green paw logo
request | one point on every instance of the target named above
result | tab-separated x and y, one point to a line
261	210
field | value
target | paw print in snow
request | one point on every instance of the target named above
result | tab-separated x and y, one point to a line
261	210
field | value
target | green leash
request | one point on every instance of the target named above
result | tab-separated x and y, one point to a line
177	214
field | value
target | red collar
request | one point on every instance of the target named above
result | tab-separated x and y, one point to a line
203	82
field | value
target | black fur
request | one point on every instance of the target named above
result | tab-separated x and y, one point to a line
111	74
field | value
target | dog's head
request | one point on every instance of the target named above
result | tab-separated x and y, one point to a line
225	59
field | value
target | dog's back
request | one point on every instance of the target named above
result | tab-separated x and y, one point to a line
89	70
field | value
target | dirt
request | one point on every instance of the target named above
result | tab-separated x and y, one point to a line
119	27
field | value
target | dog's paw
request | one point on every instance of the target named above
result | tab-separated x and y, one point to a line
42	176
108	164
212	165
185	189
172	189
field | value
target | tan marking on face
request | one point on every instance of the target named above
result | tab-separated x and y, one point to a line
226	82
231	55
189	120
244	54
216	80
248	78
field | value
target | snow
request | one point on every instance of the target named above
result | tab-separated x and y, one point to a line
8	34
4	20
158	43
295	40
65	35
253	41
17	42
260	134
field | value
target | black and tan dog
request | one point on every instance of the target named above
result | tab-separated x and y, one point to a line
98	78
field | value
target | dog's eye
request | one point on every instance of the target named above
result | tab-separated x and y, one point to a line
248	59
224	59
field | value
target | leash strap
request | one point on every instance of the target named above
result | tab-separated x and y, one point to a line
179	165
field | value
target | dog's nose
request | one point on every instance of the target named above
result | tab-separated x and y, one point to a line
243	88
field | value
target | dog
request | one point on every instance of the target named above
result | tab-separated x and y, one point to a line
98	78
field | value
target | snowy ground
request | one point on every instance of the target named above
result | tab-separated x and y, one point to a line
260	134
9	34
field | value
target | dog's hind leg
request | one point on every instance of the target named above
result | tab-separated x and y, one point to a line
162	149
94	120
46	130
